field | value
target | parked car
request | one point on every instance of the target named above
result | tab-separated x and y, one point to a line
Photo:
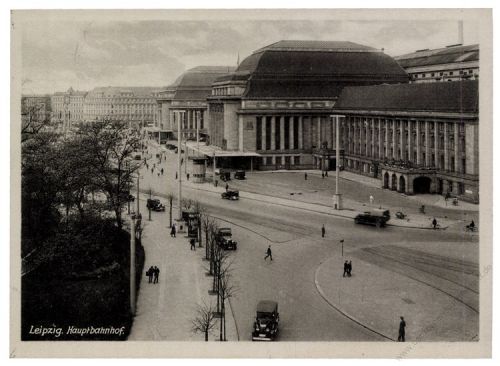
376	217
266	323
231	195
240	174
225	240
155	205
225	175
137	157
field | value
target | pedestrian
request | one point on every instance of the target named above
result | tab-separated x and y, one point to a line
346	269
156	274
268	253
158	174
227	187
402	325
305	176
193	246
323	231
149	273
161	171
326	173
322	175
152	170
175	175
187	176
172	231
371	200
434	223
349	268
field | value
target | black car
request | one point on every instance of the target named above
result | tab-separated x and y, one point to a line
265	327
231	195
239	174
374	217
155	205
225	239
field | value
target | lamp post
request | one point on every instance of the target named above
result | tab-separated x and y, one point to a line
132	264
337	197
179	149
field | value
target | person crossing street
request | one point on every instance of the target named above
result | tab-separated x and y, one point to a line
269	253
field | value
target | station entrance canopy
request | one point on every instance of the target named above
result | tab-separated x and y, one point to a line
211	151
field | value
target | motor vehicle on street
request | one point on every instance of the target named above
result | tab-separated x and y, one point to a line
239	174
265	327
155	205
225	240
375	217
225	175
231	195
137	157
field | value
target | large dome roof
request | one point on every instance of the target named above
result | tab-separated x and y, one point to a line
196	83
314	69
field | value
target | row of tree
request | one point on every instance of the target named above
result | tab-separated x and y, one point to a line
220	268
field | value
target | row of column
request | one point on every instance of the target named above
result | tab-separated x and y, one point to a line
189	118
363	133
324	132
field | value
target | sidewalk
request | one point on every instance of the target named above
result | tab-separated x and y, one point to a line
165	310
376	298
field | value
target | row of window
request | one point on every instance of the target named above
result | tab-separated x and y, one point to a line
444	73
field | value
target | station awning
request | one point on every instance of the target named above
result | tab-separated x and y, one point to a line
216	151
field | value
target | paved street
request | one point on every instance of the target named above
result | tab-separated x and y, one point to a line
299	253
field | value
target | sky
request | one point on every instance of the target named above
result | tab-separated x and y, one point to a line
58	54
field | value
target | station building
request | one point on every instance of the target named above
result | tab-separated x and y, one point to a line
417	138
274	111
186	101
451	63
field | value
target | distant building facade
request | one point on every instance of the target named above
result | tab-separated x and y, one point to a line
135	105
67	107
279	100
186	101
451	63
417	138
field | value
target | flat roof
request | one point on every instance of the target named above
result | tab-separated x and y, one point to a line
218	152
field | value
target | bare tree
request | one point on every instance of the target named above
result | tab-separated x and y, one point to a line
207	223
227	289
32	121
200	210
204	321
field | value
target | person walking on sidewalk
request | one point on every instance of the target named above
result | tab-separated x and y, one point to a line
402	325
187	176
172	231
268	253
192	243
434	223
322	174
349	269
150	273
323	231
227	187
305	176
156	274
346	269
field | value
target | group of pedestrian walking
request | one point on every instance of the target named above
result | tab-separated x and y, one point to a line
347	269
153	273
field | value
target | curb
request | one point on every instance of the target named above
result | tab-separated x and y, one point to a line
350	317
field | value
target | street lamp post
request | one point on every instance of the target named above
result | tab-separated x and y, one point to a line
179	149
132	265
337	198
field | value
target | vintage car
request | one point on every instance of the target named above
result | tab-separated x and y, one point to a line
265	327
376	217
231	195
239	174
225	175
155	205
225	240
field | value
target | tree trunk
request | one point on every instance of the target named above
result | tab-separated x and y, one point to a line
206	336
224	317
199	233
